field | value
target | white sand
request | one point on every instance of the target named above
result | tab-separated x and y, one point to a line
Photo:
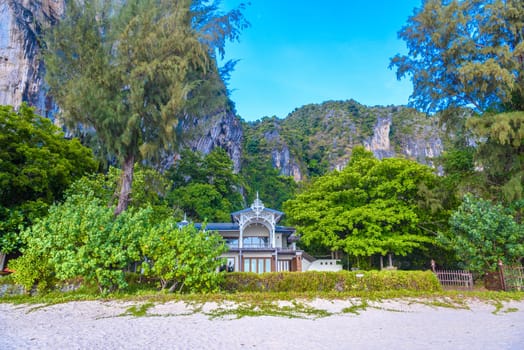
388	325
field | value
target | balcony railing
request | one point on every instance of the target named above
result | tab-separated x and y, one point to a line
257	246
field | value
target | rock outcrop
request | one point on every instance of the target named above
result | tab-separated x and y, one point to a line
320	137
22	73
21	67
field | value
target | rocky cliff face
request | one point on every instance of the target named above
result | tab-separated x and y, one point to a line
317	138
22	73
21	68
222	130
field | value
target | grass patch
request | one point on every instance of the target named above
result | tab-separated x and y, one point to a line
138	310
265	308
356	308
449	303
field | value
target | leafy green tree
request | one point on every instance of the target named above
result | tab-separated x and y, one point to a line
205	186
81	238
471	54
370	207
133	70
36	165
501	155
482	234
183	259
464	53
201	202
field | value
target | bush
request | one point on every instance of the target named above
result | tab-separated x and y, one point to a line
182	259
82	238
343	281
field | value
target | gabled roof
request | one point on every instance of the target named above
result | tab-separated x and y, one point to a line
257	207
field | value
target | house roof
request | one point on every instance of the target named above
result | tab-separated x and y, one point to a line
257	208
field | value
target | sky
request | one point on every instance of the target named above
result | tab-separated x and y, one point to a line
298	52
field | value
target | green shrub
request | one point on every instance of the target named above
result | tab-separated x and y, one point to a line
343	281
182	259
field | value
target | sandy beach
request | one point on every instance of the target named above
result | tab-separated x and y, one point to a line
399	324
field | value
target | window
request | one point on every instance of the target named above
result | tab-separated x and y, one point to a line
257	265
232	243
283	265
230	264
256	242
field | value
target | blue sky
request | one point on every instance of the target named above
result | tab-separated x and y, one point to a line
298	52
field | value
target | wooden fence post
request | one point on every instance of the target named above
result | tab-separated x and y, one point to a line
501	275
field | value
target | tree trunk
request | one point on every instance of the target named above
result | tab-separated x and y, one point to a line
126	180
390	260
381	262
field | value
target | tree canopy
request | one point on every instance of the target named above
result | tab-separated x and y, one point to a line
81	238
465	53
205	186
483	233
36	165
131	71
370	207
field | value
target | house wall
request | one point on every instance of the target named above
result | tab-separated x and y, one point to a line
325	265
305	265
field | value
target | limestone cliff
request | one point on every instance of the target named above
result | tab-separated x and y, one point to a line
320	137
22	73
21	68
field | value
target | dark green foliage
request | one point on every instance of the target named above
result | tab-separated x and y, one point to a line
134	70
501	154
36	165
464	53
482	234
205	187
258	171
343	281
150	188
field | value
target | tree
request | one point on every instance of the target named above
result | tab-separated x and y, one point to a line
258	170
501	154
465	53
205	187
132	71
81	238
471	54
483	234
36	165
370	207
184	258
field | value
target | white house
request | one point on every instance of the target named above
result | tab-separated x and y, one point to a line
256	242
